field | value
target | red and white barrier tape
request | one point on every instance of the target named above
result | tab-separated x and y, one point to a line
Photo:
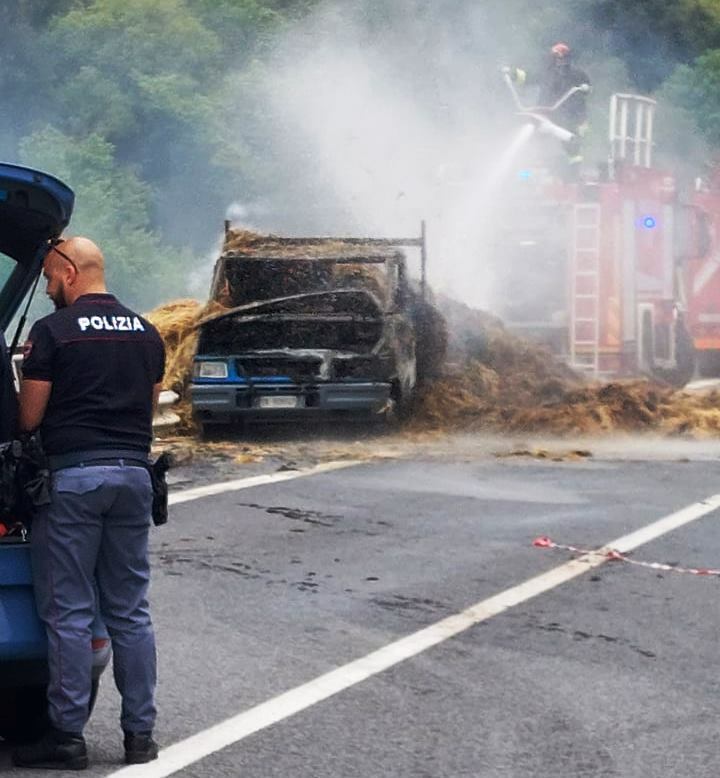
616	556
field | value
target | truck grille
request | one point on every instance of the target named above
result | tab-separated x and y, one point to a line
296	369
356	368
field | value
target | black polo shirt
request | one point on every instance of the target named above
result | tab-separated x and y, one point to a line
103	361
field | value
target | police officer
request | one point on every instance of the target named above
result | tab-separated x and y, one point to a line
91	379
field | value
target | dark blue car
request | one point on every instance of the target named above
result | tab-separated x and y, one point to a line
34	208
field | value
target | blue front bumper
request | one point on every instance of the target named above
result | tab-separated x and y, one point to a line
226	400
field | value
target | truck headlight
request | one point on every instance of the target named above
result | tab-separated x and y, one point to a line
211	370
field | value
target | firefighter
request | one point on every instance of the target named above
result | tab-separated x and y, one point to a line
560	76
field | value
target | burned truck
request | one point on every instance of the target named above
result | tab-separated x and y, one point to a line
303	327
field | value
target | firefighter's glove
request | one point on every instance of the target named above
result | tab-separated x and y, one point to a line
517	75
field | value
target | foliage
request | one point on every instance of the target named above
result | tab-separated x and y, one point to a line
656	34
113	209
157	112
141	62
695	91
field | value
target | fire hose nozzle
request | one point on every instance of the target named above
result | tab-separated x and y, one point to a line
547	127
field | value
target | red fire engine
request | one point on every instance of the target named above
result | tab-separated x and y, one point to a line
619	274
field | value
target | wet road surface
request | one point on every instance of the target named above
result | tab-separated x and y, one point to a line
260	590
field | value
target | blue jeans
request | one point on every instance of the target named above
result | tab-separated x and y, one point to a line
95	532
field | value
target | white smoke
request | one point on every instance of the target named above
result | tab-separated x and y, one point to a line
379	149
385	115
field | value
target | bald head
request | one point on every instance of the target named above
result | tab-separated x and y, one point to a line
72	268
87	256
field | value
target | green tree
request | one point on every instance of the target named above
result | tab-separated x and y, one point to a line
245	27
141	61
113	209
142	74
655	35
689	112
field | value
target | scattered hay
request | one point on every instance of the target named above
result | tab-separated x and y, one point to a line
501	383
491	375
473	401
574	455
177	322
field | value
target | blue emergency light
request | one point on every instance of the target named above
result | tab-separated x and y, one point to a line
649	222
525	175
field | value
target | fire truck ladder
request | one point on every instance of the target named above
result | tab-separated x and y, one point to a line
585	290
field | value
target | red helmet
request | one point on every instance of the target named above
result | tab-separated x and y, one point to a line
560	51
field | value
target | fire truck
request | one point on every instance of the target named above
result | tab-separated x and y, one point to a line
619	273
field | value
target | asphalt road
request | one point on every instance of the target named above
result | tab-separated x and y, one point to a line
614	673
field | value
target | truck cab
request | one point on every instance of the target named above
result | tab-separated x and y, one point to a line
306	327
34	208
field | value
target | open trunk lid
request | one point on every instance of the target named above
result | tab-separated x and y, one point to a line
34	207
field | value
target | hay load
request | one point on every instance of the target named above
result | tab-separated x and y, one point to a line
178	324
289	267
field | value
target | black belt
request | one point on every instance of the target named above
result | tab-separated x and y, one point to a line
97	459
110	462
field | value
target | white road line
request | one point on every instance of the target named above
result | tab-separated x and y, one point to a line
186	752
259	480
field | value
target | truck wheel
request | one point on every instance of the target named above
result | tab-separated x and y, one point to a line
210	432
709	363
685	359
229	430
403	408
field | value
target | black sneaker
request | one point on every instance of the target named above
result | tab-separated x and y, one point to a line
140	747
55	750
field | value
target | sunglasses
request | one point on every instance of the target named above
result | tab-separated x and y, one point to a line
53	246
